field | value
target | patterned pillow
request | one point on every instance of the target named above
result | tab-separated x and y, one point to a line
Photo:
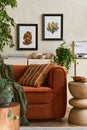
35	74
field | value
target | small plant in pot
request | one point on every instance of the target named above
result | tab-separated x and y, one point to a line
6	92
64	56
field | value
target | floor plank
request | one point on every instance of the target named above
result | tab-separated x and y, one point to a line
62	125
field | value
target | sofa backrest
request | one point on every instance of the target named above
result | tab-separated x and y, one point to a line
19	70
54	72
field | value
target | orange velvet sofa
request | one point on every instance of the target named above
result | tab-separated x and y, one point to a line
48	101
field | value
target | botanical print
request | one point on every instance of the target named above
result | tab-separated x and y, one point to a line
52	27
27	38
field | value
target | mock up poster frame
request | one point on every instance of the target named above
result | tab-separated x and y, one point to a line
80	48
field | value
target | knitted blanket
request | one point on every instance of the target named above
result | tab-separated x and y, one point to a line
7	72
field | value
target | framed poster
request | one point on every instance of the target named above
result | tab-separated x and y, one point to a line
52	27
80	48
27	36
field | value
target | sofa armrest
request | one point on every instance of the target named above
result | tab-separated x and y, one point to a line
58	81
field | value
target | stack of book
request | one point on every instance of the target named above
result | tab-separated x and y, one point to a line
16	56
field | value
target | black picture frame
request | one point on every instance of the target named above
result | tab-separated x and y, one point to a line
52	26
27	36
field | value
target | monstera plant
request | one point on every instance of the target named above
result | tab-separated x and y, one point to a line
6	92
6	22
64	56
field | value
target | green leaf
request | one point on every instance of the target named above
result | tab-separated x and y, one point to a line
16	117
6	22
7	89
9	114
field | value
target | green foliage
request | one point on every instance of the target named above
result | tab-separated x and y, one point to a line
64	56
16	117
10	115
6	89
5	24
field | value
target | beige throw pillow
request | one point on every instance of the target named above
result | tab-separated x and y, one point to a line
35	74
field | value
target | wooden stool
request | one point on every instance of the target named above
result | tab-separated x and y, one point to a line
78	114
10	117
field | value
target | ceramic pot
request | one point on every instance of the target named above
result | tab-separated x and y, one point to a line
36	55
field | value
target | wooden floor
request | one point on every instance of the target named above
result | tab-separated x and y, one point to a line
53	123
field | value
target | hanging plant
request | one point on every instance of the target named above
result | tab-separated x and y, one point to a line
6	22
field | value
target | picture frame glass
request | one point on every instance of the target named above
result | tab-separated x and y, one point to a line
52	27
27	37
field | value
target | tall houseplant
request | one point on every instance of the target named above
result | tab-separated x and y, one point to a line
6	22
64	56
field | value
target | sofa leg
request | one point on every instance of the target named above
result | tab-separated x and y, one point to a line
58	119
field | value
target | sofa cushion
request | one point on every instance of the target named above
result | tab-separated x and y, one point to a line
39	95
35	74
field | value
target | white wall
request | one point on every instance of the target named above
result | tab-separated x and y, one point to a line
30	11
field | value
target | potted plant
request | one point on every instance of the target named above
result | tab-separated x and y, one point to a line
64	56
6	22
6	92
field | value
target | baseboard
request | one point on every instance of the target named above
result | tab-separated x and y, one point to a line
53	128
